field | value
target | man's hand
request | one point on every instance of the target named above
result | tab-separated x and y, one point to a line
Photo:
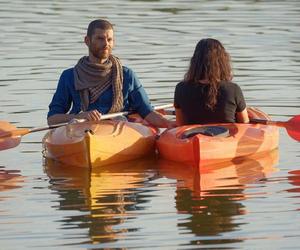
93	115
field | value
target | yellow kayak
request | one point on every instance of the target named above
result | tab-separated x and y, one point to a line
95	144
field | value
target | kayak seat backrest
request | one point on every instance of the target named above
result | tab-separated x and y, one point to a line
215	131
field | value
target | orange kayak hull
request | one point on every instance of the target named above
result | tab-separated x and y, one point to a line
94	145
243	140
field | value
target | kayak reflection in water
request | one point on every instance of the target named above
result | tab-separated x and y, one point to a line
207	94
106	197
10	179
212	195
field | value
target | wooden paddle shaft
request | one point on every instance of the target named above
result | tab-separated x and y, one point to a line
269	122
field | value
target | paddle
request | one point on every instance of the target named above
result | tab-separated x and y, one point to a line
10	136
292	125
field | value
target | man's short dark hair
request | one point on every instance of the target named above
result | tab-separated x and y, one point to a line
98	24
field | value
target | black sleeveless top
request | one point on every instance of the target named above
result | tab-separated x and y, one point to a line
191	98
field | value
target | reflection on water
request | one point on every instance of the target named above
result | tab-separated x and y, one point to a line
205	180
110	195
212	194
138	208
294	179
10	179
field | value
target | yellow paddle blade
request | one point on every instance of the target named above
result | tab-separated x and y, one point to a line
7	138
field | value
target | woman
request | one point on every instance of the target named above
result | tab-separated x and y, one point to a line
207	95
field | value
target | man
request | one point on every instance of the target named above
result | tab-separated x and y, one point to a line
99	84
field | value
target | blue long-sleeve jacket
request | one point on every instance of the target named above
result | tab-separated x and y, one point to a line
67	100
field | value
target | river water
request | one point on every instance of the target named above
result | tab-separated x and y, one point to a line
149	204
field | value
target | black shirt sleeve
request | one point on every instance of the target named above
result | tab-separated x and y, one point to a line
177	96
240	100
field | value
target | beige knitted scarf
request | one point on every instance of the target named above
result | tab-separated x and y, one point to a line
92	79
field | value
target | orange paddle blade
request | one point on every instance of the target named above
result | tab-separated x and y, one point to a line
293	127
7	139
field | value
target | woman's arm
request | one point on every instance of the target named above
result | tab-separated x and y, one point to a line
179	117
159	121
242	117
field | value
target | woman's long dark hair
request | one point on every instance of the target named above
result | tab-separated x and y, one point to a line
212	63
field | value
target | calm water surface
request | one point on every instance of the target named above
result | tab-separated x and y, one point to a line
149	204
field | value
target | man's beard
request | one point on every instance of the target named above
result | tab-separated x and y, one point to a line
101	54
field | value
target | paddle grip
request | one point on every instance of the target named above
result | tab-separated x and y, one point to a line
260	121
